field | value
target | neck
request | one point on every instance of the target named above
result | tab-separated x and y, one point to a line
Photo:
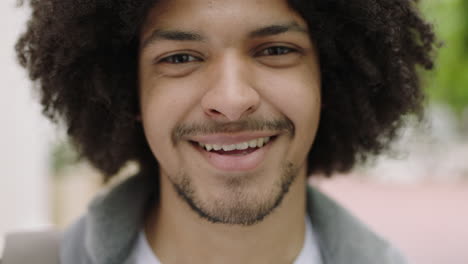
178	235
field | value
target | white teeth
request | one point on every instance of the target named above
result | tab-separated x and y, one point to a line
229	147
242	146
253	143
217	147
259	142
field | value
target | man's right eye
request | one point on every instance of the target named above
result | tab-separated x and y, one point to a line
179	58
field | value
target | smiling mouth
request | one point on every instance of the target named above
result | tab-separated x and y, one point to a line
239	149
234	155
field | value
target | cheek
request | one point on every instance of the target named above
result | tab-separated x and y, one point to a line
156	127
296	94
166	100
164	104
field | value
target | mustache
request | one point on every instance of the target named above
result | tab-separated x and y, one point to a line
213	127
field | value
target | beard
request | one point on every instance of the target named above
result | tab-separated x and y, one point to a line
237	207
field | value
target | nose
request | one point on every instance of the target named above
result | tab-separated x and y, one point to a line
230	95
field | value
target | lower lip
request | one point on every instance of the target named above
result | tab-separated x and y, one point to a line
226	162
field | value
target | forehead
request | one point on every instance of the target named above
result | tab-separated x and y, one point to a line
219	17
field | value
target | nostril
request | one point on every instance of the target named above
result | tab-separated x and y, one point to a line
214	111
251	109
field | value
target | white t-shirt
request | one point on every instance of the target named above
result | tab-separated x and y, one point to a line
143	254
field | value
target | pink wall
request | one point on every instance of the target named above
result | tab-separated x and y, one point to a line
428	222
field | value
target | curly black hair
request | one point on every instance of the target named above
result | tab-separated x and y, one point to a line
82	55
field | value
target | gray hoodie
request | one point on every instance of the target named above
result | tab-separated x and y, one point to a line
106	234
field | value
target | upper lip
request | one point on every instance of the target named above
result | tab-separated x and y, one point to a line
229	139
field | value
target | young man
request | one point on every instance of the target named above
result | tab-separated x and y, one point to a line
227	106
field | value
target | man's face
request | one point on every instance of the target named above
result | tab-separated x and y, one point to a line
230	102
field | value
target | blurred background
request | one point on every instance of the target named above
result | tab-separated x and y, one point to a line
416	196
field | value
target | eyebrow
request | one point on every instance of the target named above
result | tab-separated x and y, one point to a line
179	35
176	35
277	29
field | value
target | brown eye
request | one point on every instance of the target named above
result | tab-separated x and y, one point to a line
179	59
276	51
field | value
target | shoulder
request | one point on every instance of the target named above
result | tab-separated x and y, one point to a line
108	230
73	245
345	239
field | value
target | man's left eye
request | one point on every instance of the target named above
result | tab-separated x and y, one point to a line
179	58
276	50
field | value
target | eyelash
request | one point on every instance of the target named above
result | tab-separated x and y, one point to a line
181	58
283	50
172	59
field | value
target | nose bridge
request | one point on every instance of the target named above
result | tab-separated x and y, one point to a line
231	94
232	76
